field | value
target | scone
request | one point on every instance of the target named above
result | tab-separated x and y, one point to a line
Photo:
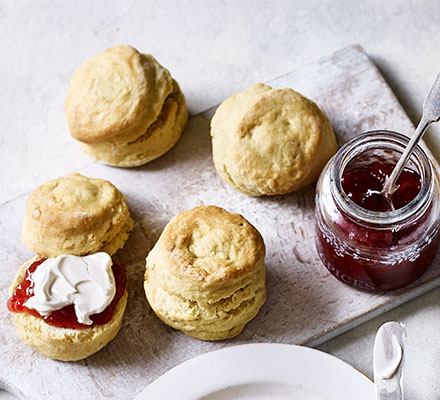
205	275
270	141
125	108
76	215
65	343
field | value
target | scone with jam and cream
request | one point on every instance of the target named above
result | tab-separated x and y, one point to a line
68	301
68	307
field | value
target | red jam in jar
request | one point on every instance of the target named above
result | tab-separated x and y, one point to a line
363	239
65	317
363	184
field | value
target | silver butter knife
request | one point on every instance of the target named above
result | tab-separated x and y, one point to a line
389	359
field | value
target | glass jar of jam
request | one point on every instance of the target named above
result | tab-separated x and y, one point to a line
364	239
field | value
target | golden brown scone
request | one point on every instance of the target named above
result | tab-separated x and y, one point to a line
61	343
205	275
125	108
76	215
270	141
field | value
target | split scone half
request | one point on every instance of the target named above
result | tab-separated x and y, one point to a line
205	275
76	215
63	343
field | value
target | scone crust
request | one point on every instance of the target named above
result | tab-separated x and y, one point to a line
150	144
125	108
206	275
270	141
76	215
61	343
117	92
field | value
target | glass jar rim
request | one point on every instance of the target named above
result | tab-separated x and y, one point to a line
382	139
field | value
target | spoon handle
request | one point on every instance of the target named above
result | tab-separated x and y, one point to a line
390	185
431	105
431	113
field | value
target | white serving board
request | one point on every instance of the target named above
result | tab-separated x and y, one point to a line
306	305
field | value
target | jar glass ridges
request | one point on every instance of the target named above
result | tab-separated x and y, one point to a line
373	250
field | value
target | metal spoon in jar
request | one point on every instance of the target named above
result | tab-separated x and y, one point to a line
431	113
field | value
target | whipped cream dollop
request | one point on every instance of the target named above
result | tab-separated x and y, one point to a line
86	282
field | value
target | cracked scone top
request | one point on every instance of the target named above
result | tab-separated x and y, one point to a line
124	107
205	275
76	215
270	141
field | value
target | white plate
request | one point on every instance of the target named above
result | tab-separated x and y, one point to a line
262	371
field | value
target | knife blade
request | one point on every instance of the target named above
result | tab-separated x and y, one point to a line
389	359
